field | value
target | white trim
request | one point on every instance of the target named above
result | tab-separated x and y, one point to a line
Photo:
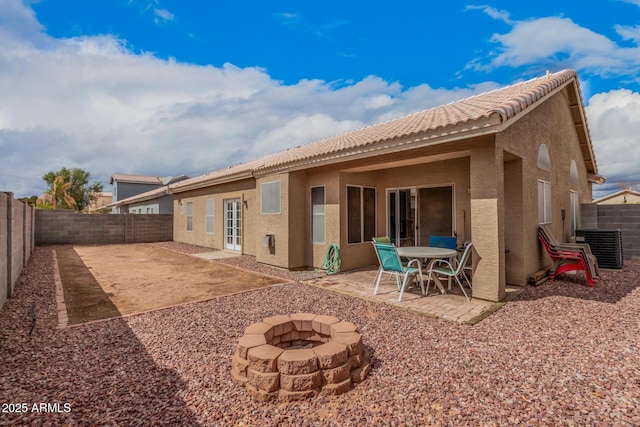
547	213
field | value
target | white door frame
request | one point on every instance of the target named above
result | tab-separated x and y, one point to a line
233	224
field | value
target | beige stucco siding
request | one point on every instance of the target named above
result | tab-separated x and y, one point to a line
550	123
243	190
276	224
621	199
329	178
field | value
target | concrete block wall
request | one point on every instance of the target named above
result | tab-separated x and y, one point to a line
625	218
16	241
54	227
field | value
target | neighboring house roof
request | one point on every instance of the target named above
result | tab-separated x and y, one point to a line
635	195
142	197
136	179
486	113
149	195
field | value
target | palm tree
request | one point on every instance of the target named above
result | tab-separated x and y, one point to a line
58	195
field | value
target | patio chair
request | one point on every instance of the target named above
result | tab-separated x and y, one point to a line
386	240
390	263
448	242
584	249
568	257
382	239
445	268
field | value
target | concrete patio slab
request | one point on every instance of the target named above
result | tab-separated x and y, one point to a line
216	255
452	306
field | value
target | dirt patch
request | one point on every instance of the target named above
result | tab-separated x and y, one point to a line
102	282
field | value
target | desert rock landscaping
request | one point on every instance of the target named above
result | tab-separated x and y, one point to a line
559	354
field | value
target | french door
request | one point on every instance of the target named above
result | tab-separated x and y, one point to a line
233	225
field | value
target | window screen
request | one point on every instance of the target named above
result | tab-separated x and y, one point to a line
574	211
189	216
270	197
318	228
544	202
361	214
209	216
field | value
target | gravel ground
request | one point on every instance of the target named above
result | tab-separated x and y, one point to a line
561	354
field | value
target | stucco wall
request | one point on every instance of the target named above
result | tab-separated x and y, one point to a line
551	123
276	224
244	190
622	199
330	179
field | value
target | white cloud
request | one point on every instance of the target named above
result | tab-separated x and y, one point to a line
162	16
629	32
556	42
494	13
90	102
615	131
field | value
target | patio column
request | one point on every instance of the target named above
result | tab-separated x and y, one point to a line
487	219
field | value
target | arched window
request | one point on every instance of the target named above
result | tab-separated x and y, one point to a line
573	172
543	158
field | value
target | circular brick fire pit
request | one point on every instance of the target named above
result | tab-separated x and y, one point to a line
298	356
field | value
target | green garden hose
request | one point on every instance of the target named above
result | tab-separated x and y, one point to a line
332	260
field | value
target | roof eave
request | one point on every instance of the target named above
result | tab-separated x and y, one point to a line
476	128
183	187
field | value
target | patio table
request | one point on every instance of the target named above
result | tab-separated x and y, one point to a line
428	252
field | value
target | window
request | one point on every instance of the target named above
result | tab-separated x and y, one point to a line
189	216
209	216
573	172
361	214
318	228
544	202
270	197
573	211
544	162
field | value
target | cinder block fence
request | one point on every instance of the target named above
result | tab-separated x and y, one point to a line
55	227
16	241
625	218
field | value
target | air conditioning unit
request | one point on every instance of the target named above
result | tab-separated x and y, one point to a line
606	245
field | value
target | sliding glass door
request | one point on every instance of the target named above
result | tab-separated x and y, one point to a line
413	215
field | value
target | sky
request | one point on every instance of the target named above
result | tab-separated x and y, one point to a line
164	88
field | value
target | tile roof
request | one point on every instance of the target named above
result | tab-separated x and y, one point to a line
480	111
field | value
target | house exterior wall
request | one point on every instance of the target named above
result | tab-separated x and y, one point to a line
161	205
495	186
550	123
329	178
244	190
276	224
123	190
622	199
